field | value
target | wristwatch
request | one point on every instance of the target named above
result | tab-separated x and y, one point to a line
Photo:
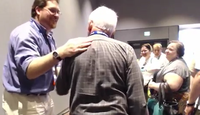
56	56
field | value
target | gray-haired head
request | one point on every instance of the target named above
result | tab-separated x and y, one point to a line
104	18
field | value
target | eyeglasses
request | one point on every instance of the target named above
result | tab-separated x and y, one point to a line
53	11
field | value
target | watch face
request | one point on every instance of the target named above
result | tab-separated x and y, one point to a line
55	54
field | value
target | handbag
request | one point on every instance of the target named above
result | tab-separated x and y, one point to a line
159	105
170	107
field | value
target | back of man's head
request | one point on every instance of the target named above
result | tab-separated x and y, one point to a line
104	18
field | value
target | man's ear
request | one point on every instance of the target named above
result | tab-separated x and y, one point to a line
90	25
112	35
37	10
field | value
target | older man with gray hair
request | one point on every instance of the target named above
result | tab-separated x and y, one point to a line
106	79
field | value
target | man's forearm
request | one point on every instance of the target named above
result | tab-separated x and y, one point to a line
40	65
195	89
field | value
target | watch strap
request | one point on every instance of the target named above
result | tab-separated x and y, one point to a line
59	58
56	56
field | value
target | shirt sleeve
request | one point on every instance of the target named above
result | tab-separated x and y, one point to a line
178	67
197	61
26	49
134	81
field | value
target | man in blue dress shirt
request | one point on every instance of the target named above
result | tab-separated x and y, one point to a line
28	72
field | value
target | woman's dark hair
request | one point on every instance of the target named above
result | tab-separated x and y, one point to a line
180	47
148	46
40	4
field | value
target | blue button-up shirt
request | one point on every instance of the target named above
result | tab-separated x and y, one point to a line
27	42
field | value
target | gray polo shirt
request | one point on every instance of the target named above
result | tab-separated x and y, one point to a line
27	42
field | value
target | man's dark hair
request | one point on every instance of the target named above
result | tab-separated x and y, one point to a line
40	4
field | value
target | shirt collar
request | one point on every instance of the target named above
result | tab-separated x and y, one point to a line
41	28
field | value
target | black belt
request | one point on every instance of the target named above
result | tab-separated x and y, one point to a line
37	94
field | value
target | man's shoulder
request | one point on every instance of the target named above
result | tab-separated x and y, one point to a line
110	40
22	29
120	42
23	32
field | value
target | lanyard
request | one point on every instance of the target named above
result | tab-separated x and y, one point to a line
98	32
48	44
44	34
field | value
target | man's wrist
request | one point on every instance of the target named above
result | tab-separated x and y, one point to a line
190	104
56	55
60	52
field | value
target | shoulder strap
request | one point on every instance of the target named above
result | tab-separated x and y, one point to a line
163	87
161	94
